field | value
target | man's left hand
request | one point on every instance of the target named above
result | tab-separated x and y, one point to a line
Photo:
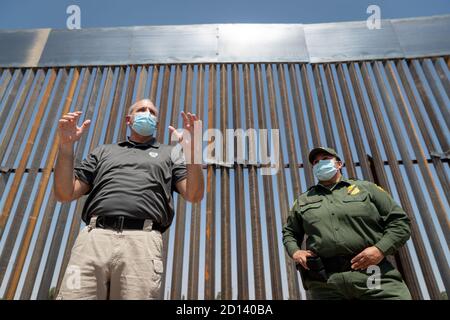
186	136
367	257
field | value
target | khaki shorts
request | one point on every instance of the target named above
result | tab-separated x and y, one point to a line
108	264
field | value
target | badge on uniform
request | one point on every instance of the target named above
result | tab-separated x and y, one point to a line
353	190
153	154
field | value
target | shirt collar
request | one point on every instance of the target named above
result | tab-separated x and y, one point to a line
152	143
341	181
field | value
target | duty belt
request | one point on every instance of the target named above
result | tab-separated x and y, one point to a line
120	223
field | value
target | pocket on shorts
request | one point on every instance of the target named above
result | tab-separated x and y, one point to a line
158	267
154	245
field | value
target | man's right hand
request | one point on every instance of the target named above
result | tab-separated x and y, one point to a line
68	131
300	256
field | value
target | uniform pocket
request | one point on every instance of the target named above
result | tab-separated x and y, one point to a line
309	210
356	198
357	205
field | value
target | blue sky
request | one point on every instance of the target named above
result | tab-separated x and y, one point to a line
24	14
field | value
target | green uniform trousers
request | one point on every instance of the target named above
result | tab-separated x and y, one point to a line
361	285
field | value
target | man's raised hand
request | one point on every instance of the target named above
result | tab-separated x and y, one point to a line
187	136
68	131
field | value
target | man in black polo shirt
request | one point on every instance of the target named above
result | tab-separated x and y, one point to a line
118	255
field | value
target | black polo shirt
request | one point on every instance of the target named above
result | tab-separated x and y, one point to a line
130	179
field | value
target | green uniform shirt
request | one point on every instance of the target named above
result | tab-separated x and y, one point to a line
345	220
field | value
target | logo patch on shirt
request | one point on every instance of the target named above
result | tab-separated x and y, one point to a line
353	190
153	154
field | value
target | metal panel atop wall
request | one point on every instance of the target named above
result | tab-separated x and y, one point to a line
131	45
176	44
22	48
244	43
430	39
332	42
87	46
262	42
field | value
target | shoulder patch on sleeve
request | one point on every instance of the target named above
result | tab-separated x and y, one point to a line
294	205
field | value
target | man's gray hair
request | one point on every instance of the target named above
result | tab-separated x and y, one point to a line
130	109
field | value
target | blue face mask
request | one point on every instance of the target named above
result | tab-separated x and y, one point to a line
324	170
144	123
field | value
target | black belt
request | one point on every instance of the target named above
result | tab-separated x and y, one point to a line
120	223
337	264
340	263
321	268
